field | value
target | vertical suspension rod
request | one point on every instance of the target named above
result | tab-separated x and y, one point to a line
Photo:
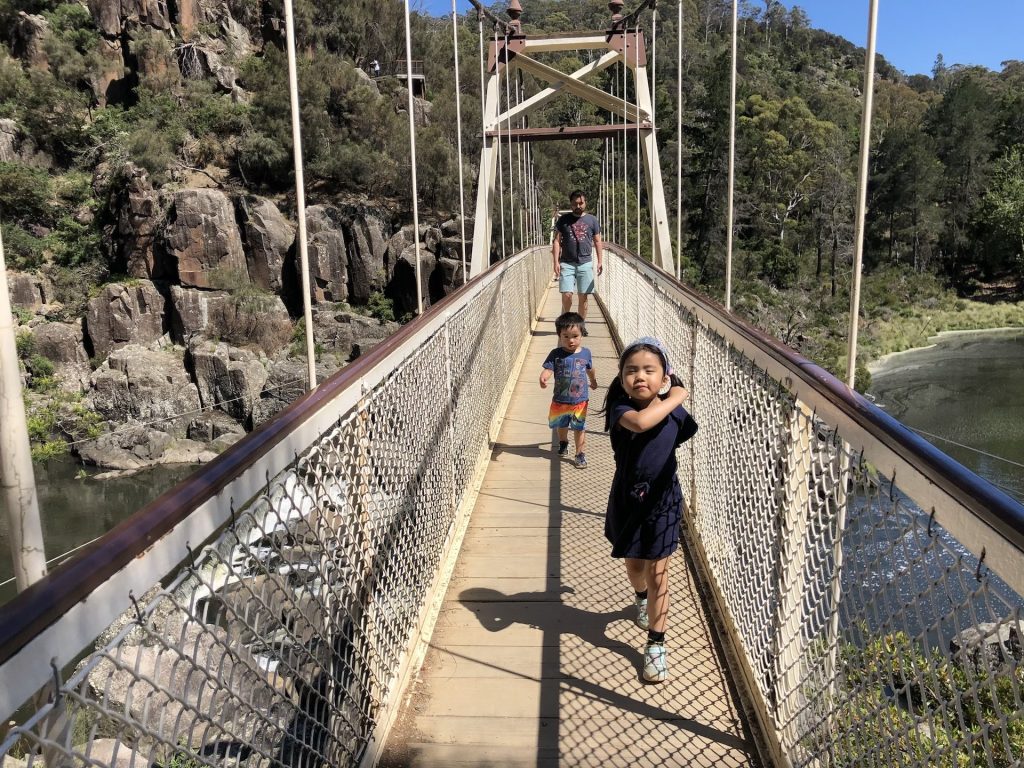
679	146
412	162
732	166
300	191
458	133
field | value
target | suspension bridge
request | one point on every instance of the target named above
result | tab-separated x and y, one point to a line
398	570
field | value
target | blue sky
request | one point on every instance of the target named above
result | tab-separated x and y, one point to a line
910	32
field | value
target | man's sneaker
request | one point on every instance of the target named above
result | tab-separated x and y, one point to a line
581	460
641	614
655	663
563	448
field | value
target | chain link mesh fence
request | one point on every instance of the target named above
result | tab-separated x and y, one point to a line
280	640
869	632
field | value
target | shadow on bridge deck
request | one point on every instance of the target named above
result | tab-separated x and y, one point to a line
535	659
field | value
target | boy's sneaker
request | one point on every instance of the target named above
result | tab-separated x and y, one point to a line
581	461
641	614
585	331
563	448
655	663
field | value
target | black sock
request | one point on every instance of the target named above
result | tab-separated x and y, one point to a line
655	637
641	595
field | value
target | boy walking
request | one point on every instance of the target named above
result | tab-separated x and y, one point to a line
572	367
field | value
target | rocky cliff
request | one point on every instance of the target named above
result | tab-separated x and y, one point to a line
199	338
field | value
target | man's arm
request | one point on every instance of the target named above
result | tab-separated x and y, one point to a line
556	250
599	250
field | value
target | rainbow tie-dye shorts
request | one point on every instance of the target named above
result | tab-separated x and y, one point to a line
568	415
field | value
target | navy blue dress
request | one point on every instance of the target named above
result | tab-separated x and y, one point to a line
646	503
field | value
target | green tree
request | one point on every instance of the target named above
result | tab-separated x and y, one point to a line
1003	214
961	127
783	145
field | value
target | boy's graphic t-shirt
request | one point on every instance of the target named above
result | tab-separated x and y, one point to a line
570	369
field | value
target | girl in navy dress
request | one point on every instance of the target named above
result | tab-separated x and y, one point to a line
644	414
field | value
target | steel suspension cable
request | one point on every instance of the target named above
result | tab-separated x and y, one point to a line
654	103
482	172
625	144
636	98
613	226
862	191
458	133
519	159
679	146
300	191
508	135
501	172
654	64
412	161
732	167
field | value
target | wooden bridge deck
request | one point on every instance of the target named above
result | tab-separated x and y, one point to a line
535	659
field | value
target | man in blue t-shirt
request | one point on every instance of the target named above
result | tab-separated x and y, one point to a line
577	239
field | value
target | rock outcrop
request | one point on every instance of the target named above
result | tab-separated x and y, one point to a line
28	40
326	253
367	248
402	288
123	314
144	384
61	343
137	223
203	241
9	138
227	378
27	291
192	310
268	237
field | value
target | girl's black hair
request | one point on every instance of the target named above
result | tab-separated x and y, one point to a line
617	392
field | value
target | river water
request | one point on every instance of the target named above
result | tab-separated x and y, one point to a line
76	509
965	394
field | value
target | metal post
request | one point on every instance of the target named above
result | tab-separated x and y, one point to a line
16	473
625	143
458	121
300	190
636	98
679	147
862	192
412	163
732	167
511	171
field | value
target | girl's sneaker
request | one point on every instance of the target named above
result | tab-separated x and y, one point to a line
655	663
641	614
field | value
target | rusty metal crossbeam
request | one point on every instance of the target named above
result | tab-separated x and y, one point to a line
561	133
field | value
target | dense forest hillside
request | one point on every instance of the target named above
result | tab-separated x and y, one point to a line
145	157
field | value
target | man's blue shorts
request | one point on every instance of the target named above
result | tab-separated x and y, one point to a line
576	278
